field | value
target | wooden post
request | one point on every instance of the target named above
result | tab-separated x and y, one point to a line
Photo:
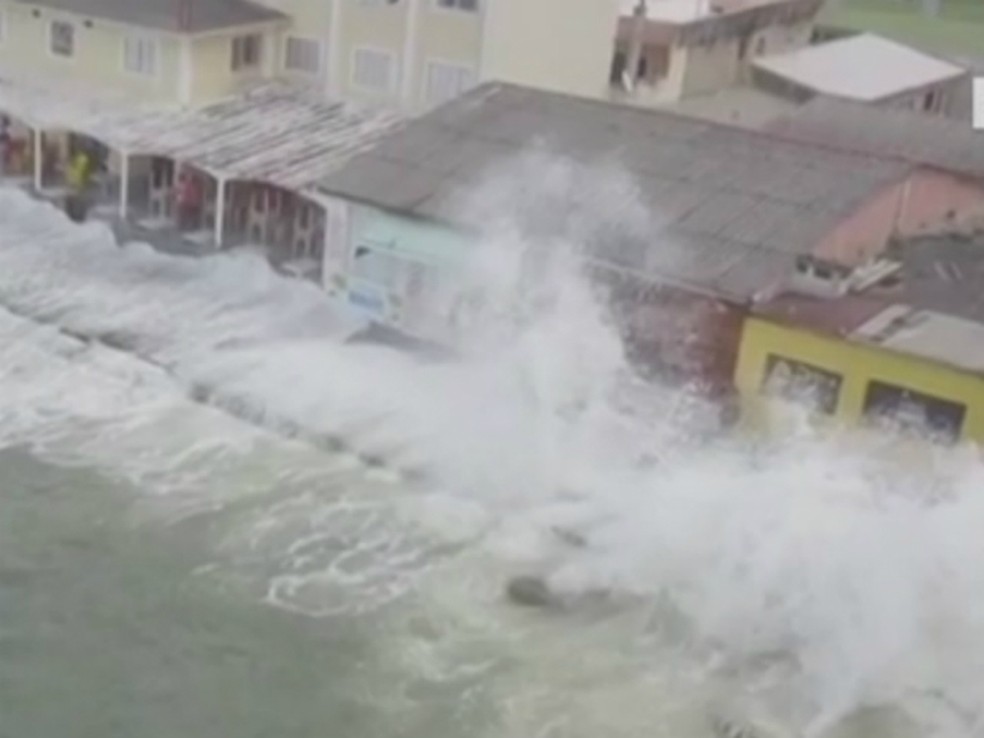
124	184
219	211
38	156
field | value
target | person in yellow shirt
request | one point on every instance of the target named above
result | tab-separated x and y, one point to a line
78	177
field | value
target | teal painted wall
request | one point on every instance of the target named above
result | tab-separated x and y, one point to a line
417	248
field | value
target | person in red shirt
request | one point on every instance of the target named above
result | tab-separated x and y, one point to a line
188	196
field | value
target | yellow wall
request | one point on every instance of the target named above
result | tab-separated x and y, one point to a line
98	58
551	44
212	76
857	364
381	27
451	37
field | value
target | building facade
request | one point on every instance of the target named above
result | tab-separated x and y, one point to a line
171	52
410	54
669	50
420	53
839	370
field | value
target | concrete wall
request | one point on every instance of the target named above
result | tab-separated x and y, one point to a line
927	199
866	232
438	250
552	44
933	196
98	58
857	364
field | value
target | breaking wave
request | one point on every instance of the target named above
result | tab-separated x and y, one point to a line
806	584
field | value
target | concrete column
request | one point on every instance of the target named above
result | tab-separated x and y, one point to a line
124	184
220	196
38	155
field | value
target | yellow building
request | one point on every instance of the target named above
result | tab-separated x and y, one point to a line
860	360
419	53
180	52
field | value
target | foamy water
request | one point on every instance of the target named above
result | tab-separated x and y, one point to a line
792	586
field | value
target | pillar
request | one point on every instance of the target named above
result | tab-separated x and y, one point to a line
38	154
219	211
124	184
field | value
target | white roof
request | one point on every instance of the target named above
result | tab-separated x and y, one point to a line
863	67
684	11
276	133
927	334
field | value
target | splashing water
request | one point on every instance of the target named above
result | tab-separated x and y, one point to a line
803	583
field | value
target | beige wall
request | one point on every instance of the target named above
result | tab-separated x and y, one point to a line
711	68
212	77
552	44
451	37
98	58
380	27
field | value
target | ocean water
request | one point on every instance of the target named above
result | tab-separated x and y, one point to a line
193	543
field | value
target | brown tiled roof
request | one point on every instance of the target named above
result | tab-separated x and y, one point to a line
166	15
925	139
732	207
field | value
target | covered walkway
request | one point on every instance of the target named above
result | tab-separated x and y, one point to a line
263	153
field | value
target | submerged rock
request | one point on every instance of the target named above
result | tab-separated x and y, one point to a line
531	591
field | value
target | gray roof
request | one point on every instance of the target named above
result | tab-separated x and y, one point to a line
727	210
277	133
166	15
926	139
944	273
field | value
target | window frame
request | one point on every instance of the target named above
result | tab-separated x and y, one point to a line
818	406
392	84
51	39
153	43
319	67
242	39
433	62
872	416
454	6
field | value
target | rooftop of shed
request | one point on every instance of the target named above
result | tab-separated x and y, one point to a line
731	208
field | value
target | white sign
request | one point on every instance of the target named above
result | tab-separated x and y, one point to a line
979	103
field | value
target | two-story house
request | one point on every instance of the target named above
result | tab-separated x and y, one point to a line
180	52
409	53
668	50
418	53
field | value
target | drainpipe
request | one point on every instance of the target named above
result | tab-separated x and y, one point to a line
639	17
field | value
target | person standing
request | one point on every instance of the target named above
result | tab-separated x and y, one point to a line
78	177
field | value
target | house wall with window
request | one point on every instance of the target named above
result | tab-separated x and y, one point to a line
131	61
448	53
861	369
371	44
223	64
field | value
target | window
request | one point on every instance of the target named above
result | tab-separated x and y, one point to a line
62	38
447	81
303	55
470	5
913	412
140	56
801	383
373	70
246	52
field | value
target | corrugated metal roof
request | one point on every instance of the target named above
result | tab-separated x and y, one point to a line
861	67
736	192
276	133
168	15
940	142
